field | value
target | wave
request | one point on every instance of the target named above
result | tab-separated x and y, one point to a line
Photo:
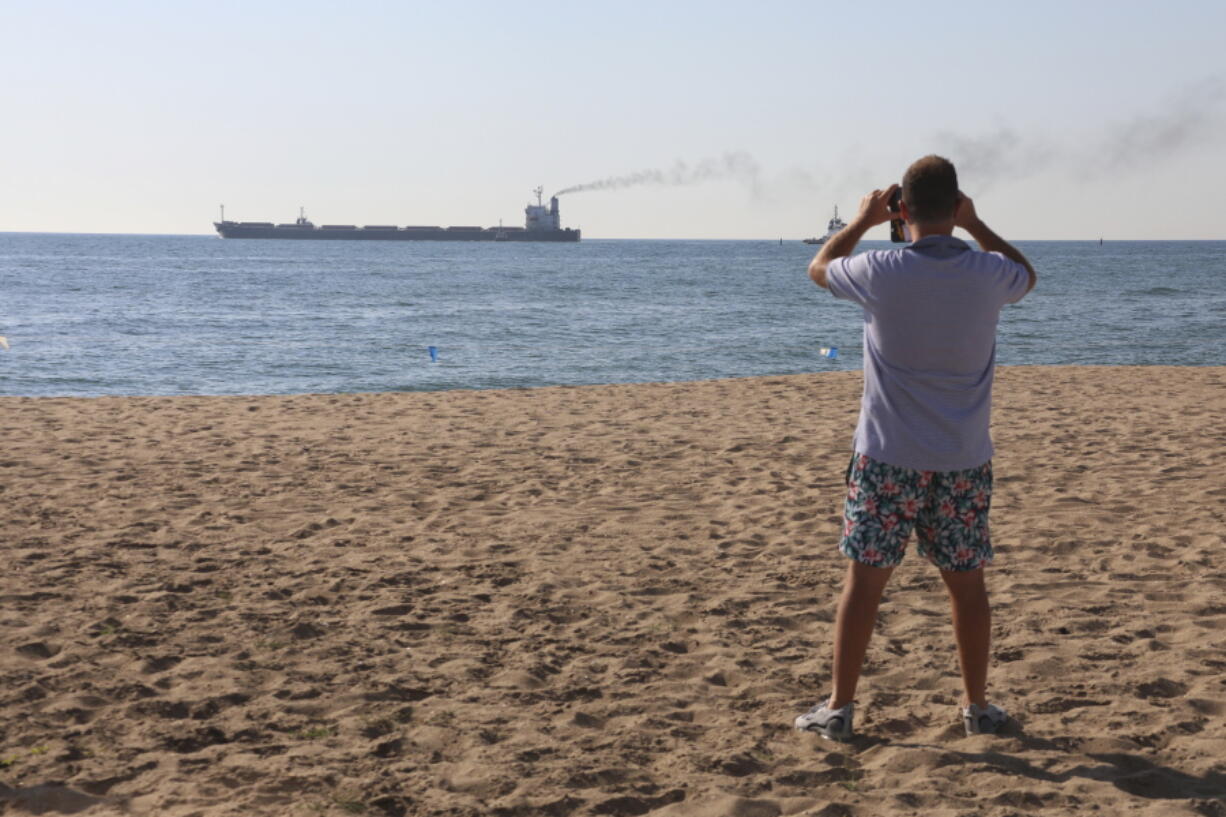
1154	291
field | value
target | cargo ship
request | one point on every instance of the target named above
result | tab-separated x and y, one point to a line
541	223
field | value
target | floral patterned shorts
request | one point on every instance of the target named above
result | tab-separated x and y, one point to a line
947	509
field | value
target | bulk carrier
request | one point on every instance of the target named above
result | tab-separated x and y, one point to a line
541	223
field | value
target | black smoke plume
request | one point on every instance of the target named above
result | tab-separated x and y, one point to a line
1183	121
736	166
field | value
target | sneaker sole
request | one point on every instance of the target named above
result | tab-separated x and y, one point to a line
817	730
995	730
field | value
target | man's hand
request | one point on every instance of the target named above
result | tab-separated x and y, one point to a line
965	216
875	208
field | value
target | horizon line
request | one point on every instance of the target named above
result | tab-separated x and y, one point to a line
773	240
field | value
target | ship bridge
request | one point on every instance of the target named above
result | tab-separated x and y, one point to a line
539	217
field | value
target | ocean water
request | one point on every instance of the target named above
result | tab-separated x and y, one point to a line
90	315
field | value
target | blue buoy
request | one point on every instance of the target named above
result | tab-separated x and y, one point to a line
830	352
433	350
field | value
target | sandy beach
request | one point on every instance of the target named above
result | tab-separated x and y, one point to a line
604	600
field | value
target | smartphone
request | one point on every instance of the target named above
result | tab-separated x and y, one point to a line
900	233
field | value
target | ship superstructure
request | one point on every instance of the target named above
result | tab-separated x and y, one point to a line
541	223
539	217
833	226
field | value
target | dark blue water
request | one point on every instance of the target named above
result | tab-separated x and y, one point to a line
110	315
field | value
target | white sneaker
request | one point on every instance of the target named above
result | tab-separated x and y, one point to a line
986	721
834	724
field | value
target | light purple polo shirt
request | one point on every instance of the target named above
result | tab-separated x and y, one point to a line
930	313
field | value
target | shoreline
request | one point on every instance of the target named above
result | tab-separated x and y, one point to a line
496	389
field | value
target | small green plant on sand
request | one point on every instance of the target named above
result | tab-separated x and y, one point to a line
9	762
763	755
39	750
443	718
314	733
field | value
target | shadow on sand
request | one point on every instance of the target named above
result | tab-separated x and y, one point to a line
50	798
1131	773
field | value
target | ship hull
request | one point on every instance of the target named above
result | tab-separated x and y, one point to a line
294	232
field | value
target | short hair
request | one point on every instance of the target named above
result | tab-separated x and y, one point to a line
930	189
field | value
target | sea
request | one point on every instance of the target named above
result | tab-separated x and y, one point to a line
94	315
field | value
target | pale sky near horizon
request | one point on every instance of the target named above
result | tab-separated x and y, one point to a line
1067	120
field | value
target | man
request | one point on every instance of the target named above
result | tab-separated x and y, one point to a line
923	453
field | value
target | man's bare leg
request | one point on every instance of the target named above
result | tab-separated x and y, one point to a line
968	597
862	589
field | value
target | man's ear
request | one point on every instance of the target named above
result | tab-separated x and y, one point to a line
903	212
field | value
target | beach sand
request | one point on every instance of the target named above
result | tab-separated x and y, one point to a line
602	600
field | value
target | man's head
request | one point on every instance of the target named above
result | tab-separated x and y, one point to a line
930	191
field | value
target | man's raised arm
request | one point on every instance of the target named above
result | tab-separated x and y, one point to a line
874	210
987	240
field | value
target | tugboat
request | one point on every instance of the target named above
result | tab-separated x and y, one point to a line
833	226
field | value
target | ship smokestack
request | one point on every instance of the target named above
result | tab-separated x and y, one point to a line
555	217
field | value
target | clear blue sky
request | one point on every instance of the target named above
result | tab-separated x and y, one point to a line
1067	120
